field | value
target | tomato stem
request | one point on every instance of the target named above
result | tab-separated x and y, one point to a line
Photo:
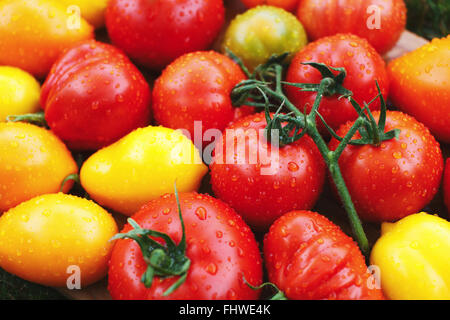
37	118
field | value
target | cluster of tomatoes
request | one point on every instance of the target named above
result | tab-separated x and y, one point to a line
100	123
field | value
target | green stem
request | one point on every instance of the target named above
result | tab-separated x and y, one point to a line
36	118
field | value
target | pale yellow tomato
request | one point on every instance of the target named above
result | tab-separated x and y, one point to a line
52	237
19	92
140	167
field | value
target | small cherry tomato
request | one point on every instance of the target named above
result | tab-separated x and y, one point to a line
50	237
140	167
362	64
309	257
33	161
397	178
381	22
261	181
154	33
94	95
33	33
420	82
257	34
220	248
19	92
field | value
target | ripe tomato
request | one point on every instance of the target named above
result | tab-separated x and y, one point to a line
261	32
288	5
19	92
94	95
363	65
221	248
447	184
420	83
154	33
140	167
33	161
92	11
44	236
33	33
309	257
260	181
381	22
197	87
397	178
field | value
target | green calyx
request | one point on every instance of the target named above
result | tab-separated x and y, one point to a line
278	294
163	261
37	118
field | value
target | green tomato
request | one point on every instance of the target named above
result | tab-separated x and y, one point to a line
258	33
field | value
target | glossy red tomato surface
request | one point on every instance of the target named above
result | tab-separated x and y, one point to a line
309	257
221	247
156	32
260	181
197	87
288	5
94	95
362	64
381	22
397	178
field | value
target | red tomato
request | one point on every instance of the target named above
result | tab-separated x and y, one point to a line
381	22
420	86
397	178
197	87
309	257
155	33
363	65
447	184
261	188
288	5
94	95
221	247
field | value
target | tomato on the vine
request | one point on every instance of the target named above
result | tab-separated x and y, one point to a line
362	64
154	33
94	95
396	178
309	257
381	22
219	252
261	181
197	87
420	82
257	34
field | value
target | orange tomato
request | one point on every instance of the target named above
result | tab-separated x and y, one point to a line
33	161
33	33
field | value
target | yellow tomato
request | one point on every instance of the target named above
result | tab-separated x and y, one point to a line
92	11
413	257
49	238
33	33
140	167
33	161
19	92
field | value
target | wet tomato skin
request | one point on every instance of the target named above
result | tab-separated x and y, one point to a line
362	64
221	247
94	95
309	258
197	87
288	5
154	33
264	189
398	178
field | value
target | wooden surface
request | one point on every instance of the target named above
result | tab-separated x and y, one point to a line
326	204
